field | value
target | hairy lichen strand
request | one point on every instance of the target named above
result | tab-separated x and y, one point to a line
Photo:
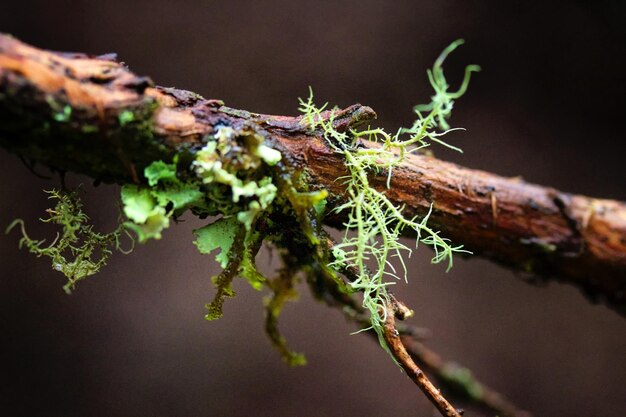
374	224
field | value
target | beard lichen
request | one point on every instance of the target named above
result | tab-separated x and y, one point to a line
253	196
374	224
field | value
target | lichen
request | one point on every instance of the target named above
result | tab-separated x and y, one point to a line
374	224
283	290
229	178
212	166
251	195
78	251
149	209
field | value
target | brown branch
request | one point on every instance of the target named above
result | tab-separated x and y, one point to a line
405	349
92	115
404	359
457	380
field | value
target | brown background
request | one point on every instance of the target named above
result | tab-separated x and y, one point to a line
132	341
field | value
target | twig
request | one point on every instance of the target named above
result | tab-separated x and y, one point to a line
399	352
455	379
459	380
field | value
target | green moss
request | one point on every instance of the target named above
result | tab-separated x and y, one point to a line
463	382
64	115
60	112
87	129
76	139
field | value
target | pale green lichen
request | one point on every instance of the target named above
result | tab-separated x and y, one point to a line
374	223
210	167
230	159
217	235
283	290
269	155
228	165
149	208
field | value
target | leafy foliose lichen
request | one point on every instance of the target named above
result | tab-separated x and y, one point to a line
218	235
236	161
149	209
228	178
212	166
374	224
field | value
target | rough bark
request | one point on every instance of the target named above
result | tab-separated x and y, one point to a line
73	112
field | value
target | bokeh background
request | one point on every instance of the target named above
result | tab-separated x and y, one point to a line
548	106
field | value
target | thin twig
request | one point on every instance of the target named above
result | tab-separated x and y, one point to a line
399	352
456	379
460	380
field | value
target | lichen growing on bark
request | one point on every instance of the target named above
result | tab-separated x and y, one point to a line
252	196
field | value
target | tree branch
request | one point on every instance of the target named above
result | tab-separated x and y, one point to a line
73	112
400	354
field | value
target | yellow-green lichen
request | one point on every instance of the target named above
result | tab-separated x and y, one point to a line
149	208
374	224
217	235
212	166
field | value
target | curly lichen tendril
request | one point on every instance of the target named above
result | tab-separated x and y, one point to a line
375	224
78	251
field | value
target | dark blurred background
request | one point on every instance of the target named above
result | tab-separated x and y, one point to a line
549	106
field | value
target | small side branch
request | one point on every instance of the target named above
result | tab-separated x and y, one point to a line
460	380
456	380
400	354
